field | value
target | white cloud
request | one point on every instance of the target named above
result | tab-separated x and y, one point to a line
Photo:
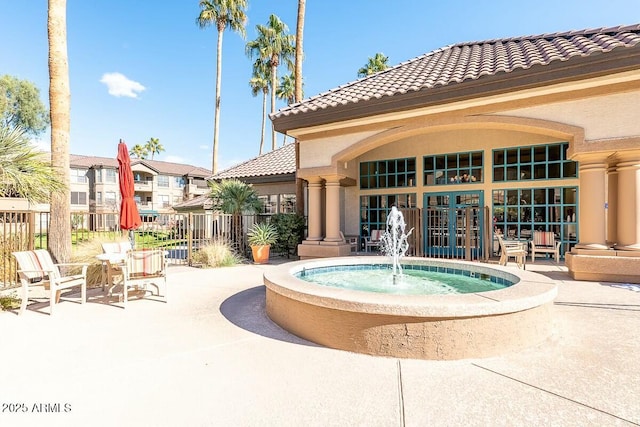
119	85
204	147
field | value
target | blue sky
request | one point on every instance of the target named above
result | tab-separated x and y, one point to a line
144	69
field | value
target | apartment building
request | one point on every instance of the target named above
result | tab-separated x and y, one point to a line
158	187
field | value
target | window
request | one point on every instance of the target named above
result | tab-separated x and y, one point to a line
78	198
99	197
163	181
178	182
177	199
98	175
287	203
110	199
454	168
538	162
269	203
374	210
78	175
110	175
164	200
388	173
517	212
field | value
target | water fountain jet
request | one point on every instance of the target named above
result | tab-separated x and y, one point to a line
394	242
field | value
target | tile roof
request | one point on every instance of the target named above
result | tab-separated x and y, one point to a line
203	201
281	161
466	62
168	168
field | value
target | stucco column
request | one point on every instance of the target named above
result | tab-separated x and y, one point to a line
314	220
629	205
612	205
592	199
332	209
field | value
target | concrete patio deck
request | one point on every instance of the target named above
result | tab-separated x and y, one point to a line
210	356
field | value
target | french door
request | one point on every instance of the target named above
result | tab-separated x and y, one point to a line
453	223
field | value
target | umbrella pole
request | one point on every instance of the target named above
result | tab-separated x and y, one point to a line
132	239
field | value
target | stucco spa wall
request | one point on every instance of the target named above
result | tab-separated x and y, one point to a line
441	143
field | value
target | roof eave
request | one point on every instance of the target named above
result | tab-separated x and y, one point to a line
596	65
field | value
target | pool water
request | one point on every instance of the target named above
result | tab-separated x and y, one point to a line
414	281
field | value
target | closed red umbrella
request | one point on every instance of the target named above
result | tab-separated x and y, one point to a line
129	216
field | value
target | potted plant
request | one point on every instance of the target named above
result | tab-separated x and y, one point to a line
261	236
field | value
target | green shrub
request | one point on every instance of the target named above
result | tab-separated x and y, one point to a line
9	302
216	254
290	228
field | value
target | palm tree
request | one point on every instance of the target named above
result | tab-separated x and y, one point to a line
286	91
59	240
24	172
222	14
153	146
374	65
138	151
232	196
260	82
275	45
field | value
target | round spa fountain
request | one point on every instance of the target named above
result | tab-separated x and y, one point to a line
411	307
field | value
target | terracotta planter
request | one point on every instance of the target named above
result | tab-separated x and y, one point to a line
260	254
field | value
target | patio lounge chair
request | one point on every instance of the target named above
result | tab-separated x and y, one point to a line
373	241
112	269
515	249
37	268
144	268
545	242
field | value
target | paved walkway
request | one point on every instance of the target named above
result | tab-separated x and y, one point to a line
210	356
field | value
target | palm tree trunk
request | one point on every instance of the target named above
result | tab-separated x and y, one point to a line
264	119
59	241
274	87
216	120
298	93
299	49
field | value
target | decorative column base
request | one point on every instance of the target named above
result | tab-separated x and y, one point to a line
592	246
604	266
309	250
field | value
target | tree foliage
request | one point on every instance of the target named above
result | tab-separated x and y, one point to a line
260	82
273	44
20	106
139	151
375	64
232	196
153	146
25	172
222	14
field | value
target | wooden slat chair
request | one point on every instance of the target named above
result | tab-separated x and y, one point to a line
143	268
37	268
515	249
545	242
110	269
373	241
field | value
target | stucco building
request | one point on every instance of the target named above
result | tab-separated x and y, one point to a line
535	133
158	187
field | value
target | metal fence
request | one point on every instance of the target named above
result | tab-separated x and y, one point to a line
179	234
